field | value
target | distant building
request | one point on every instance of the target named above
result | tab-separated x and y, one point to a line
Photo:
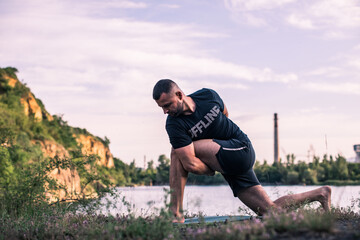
357	152
355	159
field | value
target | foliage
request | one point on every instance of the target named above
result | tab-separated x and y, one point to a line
328	171
217	179
325	171
163	170
8	71
61	132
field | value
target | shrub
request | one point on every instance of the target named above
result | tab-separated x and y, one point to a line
292	177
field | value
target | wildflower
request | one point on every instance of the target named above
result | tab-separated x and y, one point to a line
256	221
189	231
239	227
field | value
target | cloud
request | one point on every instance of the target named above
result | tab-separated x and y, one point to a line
342	88
336	19
88	50
108	66
223	85
332	72
253	13
173	6
340	76
355	63
109	4
335	13
123	4
255	5
300	22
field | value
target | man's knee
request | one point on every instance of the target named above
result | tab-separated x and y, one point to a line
256	199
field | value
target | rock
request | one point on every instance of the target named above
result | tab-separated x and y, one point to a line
69	178
90	145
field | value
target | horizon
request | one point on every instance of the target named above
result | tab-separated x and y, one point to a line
96	62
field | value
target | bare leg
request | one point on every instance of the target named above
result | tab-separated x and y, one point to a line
206	151
322	194
257	200
200	157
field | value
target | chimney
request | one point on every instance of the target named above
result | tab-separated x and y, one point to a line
276	139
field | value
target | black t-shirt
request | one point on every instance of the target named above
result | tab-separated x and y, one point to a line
207	122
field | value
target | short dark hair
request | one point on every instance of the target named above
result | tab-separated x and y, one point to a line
163	86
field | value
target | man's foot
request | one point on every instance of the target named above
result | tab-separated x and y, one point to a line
325	198
178	219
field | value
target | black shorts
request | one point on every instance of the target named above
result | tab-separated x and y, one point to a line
237	158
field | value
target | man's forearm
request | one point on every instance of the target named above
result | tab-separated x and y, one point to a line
178	177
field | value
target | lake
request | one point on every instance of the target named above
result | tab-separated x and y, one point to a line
215	200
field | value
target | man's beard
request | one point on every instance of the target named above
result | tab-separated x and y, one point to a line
179	110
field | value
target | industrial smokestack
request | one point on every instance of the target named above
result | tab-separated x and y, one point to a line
276	139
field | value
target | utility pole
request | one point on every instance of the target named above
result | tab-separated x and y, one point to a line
276	139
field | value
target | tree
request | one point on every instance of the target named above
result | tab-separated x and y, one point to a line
163	170
149	174
310	176
292	177
340	168
290	161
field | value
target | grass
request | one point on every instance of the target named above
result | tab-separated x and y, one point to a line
65	222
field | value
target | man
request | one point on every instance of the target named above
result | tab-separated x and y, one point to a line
205	140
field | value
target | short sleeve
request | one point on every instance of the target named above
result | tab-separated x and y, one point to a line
177	135
217	99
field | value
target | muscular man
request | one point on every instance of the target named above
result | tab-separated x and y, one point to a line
205	140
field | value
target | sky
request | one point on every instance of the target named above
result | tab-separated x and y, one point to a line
95	62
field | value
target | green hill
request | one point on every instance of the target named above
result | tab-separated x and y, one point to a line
41	152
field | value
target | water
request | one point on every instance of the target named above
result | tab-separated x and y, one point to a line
215	200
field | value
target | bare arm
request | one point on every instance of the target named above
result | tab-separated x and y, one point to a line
190	162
